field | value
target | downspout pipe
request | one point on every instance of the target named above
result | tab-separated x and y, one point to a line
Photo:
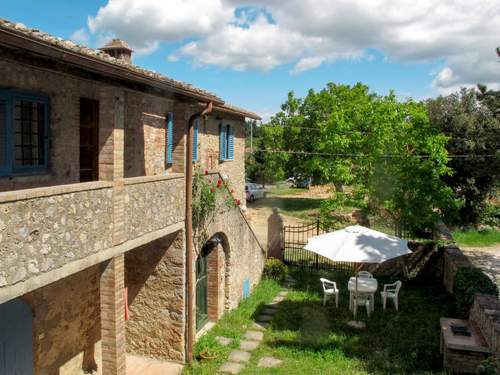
189	231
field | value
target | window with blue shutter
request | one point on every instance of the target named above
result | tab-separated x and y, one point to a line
195	139
222	142
170	138
24	132
230	142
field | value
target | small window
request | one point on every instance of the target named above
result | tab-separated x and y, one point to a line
23	132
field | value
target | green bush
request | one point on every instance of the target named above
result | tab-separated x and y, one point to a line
275	269
469	281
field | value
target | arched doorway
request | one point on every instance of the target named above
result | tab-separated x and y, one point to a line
16	338
212	280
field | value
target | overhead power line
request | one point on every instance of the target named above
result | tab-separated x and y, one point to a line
384	156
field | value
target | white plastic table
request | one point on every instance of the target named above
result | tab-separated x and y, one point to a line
365	285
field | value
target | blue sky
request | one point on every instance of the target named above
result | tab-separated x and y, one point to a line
251	53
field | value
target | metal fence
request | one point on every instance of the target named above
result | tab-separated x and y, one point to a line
295	237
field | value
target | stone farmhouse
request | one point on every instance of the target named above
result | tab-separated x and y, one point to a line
92	208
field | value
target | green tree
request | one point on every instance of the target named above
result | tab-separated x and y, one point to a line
387	151
473	126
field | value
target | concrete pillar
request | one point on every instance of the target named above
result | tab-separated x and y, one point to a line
274	235
113	317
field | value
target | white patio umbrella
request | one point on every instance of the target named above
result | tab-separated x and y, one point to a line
358	244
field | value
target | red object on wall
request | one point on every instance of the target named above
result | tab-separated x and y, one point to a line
127	316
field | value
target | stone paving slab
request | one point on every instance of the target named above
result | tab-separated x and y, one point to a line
278	299
269	362
264	318
254	335
283	293
249	345
239	356
224	341
231	367
260	326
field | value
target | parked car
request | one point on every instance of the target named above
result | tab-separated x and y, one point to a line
302	183
254	191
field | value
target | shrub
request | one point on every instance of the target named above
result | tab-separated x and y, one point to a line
469	281
275	269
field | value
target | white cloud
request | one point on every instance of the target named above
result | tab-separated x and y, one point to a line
264	34
81	36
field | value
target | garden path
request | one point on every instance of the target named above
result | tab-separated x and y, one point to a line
486	258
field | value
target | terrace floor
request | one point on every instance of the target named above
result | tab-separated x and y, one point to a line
137	365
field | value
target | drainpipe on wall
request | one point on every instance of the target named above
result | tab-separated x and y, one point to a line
189	232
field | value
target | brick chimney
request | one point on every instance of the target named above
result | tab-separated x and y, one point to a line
118	49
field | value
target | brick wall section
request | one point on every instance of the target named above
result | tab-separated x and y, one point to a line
113	317
155	278
66	325
216	283
485	312
461	362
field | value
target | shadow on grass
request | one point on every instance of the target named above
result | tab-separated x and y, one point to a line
404	342
295	205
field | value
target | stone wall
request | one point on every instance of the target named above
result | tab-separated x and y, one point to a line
208	151
156	286
46	228
244	256
152	204
453	260
486	313
66	325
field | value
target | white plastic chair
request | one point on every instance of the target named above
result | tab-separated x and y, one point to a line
365	275
391	291
329	290
364	300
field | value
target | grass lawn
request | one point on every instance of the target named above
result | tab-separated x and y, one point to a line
312	339
279	191
302	208
477	238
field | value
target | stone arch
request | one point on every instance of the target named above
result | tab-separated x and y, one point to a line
219	280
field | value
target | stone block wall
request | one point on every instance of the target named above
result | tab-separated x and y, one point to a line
67	325
43	229
485	312
453	260
152	204
244	255
155	278
208	151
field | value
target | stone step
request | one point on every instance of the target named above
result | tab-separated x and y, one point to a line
239	356
254	335
231	368
249	345
269	362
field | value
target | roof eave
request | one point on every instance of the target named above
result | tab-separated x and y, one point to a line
19	40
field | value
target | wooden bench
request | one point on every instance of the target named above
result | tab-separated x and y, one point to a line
462	354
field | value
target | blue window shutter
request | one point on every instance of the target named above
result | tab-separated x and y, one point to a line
170	138
222	142
195	139
230	143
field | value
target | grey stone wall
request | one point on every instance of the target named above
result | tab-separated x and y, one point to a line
155	278
40	232
152	204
